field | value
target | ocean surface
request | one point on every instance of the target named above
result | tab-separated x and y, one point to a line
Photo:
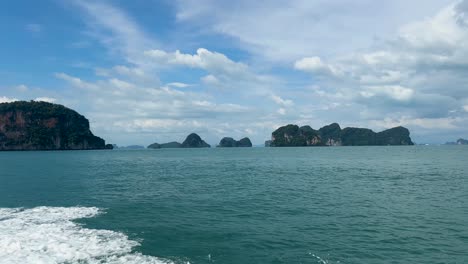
259	205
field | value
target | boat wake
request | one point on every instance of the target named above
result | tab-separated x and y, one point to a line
48	235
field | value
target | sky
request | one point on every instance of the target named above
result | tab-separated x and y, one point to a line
148	71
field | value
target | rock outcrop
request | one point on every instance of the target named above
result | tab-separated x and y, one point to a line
295	136
228	142
165	145
333	135
194	141
45	126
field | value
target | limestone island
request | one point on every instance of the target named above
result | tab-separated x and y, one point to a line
229	142
333	135
192	141
460	141
45	126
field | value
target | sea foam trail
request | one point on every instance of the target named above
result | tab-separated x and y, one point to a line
46	235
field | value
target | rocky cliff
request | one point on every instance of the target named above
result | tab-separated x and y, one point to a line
333	135
44	126
228	142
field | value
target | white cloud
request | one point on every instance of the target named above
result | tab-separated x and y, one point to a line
210	80
419	73
4	99
287	30
440	31
114	104
131	72
77	82
281	111
178	85
284	102
45	99
396	92
316	65
22	88
213	62
425	123
115	30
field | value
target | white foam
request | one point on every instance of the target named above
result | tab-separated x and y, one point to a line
46	235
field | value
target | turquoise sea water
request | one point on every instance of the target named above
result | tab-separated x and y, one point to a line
259	205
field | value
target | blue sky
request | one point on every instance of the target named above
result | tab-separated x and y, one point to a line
154	71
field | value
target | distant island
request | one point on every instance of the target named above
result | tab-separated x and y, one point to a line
333	135
131	147
192	141
45	126
460	141
229	142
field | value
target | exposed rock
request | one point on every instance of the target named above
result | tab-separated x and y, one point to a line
44	126
194	141
331	135
268	143
228	142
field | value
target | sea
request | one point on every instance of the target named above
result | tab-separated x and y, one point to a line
400	204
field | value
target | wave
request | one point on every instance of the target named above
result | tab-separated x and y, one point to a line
48	235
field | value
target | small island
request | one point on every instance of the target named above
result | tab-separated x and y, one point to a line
192	141
229	142
333	135
460	141
45	126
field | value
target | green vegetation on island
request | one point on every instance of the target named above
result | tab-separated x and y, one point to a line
192	141
165	145
333	135
229	142
45	126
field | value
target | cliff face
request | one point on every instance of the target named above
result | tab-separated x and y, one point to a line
333	135
228	142
44	126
